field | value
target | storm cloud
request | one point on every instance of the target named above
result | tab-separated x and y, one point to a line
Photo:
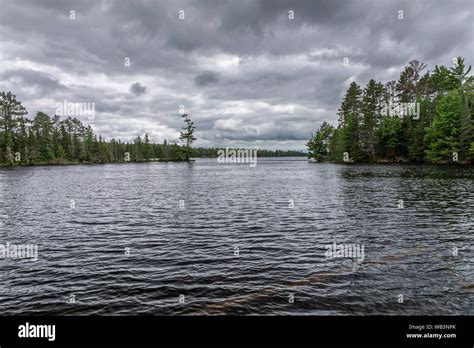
137	88
260	73
206	78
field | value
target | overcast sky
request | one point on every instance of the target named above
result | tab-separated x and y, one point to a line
246	73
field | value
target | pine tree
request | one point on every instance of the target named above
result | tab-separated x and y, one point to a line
351	104
443	135
371	110
467	121
350	115
318	146
42	128
187	135
146	147
11	114
465	85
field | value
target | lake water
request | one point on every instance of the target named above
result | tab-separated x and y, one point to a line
212	238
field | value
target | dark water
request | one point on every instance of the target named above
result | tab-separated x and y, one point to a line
83	217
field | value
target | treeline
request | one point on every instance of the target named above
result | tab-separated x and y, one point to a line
422	117
52	140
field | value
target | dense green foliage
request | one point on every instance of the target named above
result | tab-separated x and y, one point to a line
372	128
50	140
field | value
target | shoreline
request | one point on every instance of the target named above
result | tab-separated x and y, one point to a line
462	164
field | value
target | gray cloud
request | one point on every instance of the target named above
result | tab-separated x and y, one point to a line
206	78
236	67
43	83
137	89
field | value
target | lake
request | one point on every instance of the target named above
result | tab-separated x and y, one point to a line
285	237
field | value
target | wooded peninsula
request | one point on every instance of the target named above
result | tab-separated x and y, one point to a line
421	118
46	140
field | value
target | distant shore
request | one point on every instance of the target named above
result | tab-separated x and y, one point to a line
192	160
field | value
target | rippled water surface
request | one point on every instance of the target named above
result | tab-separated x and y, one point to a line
233	239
